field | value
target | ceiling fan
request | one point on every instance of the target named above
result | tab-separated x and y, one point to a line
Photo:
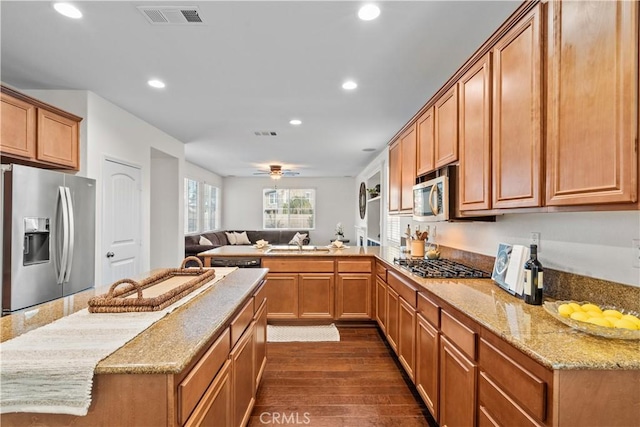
276	172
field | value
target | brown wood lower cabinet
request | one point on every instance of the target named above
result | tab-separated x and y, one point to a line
196	383
261	341
282	294
243	378
427	364
381	304
407	337
393	303
216	404
316	295
353	296
457	386
319	288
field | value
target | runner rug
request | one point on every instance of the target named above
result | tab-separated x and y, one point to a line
50	369
302	333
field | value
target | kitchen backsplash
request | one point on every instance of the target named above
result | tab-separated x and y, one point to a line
562	285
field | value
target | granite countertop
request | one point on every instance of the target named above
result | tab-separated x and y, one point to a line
170	344
250	251
527	327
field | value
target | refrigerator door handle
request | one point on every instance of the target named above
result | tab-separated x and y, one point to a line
72	234
65	235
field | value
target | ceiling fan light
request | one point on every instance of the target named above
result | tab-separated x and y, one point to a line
276	176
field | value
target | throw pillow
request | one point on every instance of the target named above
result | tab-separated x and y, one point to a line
231	237
298	239
204	241
242	239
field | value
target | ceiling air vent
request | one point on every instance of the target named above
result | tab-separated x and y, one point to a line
265	133
171	15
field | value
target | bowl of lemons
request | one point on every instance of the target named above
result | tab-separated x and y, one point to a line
602	320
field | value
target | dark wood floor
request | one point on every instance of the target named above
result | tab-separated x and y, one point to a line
354	382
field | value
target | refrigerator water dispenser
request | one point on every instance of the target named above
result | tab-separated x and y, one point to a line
36	241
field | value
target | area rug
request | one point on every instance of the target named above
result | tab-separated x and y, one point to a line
302	333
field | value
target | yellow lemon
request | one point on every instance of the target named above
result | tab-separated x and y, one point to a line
593	313
591	307
565	310
612	319
575	306
633	318
626	324
579	315
612	313
600	321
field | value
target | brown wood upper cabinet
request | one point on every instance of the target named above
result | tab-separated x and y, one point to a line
426	143
402	171
446	128
517	115
395	178
408	142
36	133
475	137
592	97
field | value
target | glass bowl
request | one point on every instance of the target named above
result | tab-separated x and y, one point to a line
590	328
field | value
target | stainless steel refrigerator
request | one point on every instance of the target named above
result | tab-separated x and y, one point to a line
48	233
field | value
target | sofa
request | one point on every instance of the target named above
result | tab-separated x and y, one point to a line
192	247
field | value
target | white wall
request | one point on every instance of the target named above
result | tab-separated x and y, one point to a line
336	201
166	186
200	174
379	165
109	131
115	133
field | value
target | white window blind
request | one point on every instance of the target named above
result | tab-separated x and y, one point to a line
393	229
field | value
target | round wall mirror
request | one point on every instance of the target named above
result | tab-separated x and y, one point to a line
362	199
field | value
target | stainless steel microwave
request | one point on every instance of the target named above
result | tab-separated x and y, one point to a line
431	200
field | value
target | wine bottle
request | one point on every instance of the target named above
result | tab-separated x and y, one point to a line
533	278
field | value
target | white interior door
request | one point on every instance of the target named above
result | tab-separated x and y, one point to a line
121	221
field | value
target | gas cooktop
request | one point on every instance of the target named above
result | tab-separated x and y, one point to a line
439	268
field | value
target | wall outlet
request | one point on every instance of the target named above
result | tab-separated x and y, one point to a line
635	244
433	231
535	239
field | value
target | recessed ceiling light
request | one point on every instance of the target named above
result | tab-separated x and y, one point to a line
368	149
158	84
349	85
68	10
369	12
295	122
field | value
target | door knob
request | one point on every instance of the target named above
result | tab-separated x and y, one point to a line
110	254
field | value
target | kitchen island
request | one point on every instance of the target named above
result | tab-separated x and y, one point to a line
477	354
195	363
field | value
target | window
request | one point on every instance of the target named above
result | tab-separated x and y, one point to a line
190	205
393	229
288	208
201	211
210	207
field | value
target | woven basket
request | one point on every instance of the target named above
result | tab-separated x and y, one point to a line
116	301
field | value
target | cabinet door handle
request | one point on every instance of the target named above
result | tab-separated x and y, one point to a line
110	254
